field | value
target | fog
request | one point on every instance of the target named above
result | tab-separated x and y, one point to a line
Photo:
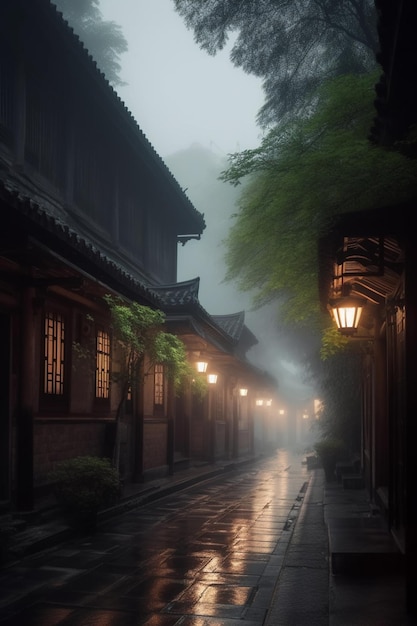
195	109
197	169
177	93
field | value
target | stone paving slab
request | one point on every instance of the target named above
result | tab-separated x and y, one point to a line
298	588
366	582
301	595
210	556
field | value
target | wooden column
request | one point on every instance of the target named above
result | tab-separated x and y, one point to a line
410	434
211	426
235	425
25	407
5	425
170	427
187	415
138	427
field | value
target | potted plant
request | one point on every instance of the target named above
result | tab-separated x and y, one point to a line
83	486
330	451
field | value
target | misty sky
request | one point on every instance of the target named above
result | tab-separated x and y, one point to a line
191	105
178	93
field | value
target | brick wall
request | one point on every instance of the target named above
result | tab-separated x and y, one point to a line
155	449
57	441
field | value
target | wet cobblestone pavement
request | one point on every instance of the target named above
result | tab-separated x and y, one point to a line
206	556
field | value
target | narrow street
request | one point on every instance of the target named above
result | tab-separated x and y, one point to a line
209	555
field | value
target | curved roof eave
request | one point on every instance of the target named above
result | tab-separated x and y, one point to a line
75	44
76	249
184	296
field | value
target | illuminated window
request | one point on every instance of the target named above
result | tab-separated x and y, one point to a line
54	354
102	364
159	385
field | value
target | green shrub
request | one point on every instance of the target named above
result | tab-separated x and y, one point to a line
86	484
330	451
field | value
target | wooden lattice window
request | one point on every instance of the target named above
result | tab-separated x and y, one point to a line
54	354
102	365
159	385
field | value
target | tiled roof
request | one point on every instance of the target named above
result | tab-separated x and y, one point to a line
232	324
67	242
185	295
179	294
67	36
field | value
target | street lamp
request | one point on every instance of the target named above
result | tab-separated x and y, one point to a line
347	312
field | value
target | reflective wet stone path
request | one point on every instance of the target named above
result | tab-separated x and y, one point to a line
206	556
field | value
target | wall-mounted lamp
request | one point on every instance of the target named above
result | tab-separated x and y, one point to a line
347	312
243	391
201	366
259	402
268	402
212	379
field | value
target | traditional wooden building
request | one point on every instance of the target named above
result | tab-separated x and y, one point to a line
87	208
370	261
221	343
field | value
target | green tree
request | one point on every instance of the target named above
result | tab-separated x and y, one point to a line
103	39
293	46
338	381
304	173
138	332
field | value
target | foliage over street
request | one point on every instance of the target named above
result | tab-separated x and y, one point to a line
317	60
293	46
304	173
138	330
